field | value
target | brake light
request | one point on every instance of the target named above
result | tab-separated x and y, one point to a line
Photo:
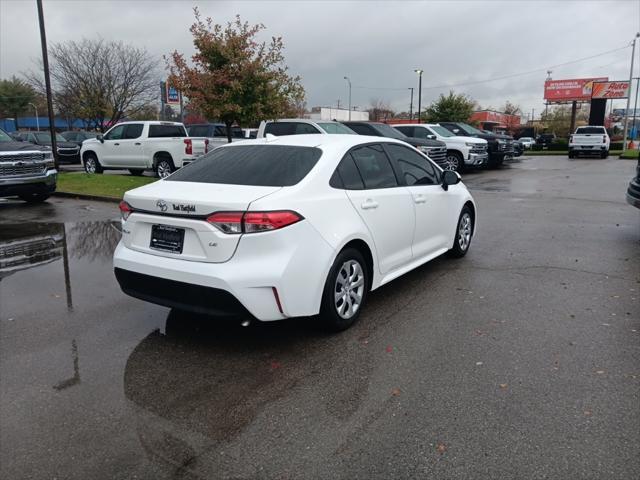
253	222
188	146
206	145
125	209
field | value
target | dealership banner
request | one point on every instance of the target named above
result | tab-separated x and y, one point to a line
577	89
610	90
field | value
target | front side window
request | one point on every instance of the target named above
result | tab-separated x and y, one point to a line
280	129
256	165
362	129
166	131
115	133
305	128
133	130
443	132
409	131
388	131
417	170
374	167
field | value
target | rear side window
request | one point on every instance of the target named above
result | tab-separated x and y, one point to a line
590	130
417	170
199	131
346	175
133	130
362	129
374	167
166	131
257	165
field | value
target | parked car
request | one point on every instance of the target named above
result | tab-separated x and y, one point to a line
500	146
78	137
68	152
545	139
633	192
589	140
301	126
518	148
527	142
290	227
461	151
434	149
16	136
26	170
29	244
216	133
138	146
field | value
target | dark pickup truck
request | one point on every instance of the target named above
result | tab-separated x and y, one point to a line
434	149
26	170
500	146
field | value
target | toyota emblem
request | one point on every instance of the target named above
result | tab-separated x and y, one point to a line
162	205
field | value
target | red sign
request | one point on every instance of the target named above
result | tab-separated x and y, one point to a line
577	89
610	90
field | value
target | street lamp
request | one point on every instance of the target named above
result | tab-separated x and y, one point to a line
419	71
411	104
37	119
349	82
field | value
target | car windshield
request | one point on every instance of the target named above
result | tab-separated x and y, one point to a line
388	131
469	129
335	127
4	137
256	165
46	137
443	132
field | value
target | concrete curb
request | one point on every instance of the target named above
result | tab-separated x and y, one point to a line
82	196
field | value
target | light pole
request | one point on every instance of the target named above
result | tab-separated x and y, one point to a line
626	117
47	82
37	119
349	82
411	105
419	71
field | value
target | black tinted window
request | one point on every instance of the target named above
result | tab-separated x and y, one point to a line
305	128
259	165
348	175
417	170
279	129
590	130
199	131
361	129
374	167
165	131
408	131
133	130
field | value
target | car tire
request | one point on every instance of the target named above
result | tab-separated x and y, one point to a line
164	167
346	287
136	172
34	197
571	155
91	164
464	233
605	154
456	161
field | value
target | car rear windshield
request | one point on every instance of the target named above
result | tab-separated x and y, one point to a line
335	127
257	165
166	131
590	130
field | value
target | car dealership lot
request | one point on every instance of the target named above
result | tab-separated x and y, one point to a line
521	360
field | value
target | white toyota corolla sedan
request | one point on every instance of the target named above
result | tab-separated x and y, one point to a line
290	226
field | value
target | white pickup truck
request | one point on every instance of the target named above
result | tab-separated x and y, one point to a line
590	140
138	146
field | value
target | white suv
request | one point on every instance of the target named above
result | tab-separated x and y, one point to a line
290	226
461	151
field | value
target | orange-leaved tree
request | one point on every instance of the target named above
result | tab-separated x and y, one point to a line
233	77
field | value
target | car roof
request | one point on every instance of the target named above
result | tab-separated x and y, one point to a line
317	140
301	120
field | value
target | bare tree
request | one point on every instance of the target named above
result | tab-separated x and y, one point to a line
100	81
380	110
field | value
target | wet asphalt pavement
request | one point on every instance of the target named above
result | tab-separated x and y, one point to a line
521	360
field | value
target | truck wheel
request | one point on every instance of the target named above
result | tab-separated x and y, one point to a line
345	291
136	172
34	197
455	160
164	167
605	154
91	164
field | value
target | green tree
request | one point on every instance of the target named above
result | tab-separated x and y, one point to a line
15	97
455	107
233	77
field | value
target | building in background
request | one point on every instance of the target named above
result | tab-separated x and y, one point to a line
339	114
496	121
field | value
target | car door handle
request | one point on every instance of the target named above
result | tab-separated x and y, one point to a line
137	143
116	144
369	204
420	199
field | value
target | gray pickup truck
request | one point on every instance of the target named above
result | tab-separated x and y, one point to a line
27	171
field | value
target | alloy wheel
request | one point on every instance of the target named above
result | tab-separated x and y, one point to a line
90	165
164	169
452	163
349	289
464	231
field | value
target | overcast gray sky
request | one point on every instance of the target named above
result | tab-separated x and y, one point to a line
377	44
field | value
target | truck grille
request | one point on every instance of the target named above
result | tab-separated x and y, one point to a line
22	157
68	151
20	168
479	148
438	154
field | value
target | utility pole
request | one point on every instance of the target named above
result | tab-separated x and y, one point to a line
47	83
349	81
419	71
635	106
626	117
37	119
411	105
338	104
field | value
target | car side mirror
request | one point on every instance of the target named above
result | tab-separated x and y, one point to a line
431	137
100	138
450	177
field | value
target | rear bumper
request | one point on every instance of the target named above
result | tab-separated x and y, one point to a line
588	148
10	186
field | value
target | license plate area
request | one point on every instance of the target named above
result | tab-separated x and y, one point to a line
166	238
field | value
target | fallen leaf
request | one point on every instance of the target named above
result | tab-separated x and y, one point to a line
441	448
395	392
599	372
389	349
478	363
275	365
587	413
503	386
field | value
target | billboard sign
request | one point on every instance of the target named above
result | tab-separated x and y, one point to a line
577	89
173	95
610	90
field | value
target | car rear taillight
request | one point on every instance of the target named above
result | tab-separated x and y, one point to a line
571	139
188	146
604	139
206	145
253	222
125	209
